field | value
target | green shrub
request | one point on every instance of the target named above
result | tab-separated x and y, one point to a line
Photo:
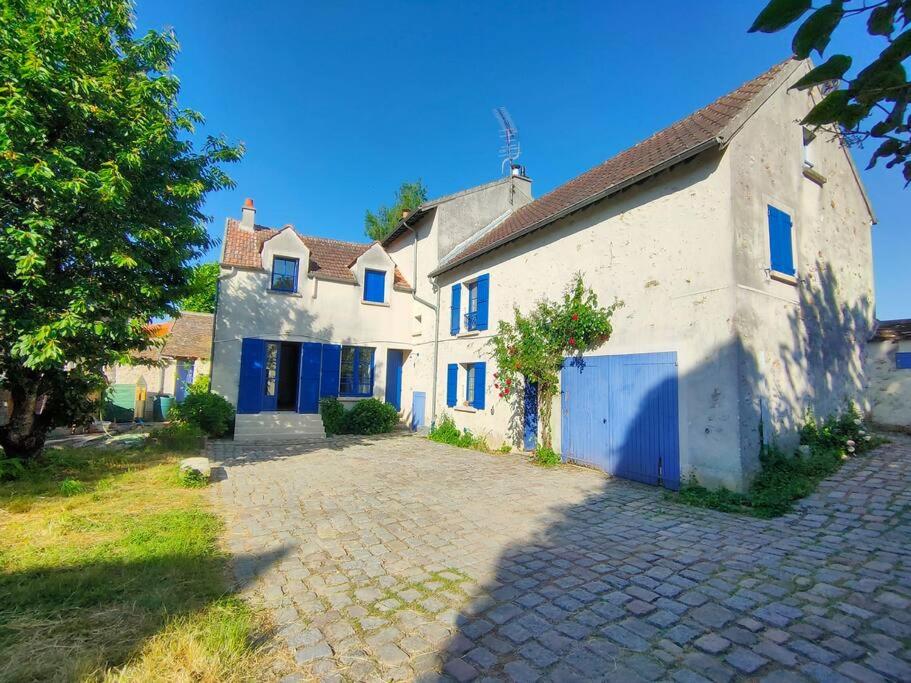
370	416
447	432
200	385
333	413
547	457
505	448
11	468
71	487
179	436
210	412
191	479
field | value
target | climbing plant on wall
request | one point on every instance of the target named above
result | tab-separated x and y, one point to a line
533	346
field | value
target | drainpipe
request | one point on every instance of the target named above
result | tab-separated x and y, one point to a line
436	315
231	273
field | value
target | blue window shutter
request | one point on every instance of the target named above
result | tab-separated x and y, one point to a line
456	309
251	386
452	379
780	241
375	286
483	298
332	359
903	360
479	385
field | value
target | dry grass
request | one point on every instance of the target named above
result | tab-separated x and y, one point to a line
118	578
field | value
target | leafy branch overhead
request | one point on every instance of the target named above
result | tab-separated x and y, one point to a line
873	103
379	224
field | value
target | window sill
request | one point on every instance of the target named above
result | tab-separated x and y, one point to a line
784	277
279	292
357	397
469	333
375	303
814	175
465	409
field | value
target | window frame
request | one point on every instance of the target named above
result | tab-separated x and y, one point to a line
471	311
367	272
294	276
355	379
470	381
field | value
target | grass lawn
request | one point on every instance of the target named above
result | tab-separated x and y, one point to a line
111	570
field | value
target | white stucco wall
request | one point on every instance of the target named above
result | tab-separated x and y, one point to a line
664	249
890	388
801	343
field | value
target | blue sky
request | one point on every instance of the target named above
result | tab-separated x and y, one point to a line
338	102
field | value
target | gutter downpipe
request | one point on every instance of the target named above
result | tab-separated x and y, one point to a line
221	276
436	321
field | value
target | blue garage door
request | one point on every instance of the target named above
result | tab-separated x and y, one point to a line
620	415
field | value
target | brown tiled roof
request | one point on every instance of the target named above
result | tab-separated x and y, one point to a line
700	128
329	258
892	330
191	336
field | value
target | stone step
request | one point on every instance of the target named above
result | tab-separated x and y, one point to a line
277	427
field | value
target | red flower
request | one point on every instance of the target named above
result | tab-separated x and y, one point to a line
575	316
572	341
506	391
496	375
501	394
508	382
496	386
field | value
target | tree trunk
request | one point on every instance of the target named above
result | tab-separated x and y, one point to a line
545	405
24	434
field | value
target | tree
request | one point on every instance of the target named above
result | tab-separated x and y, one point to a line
101	191
534	346
203	283
380	224
873	103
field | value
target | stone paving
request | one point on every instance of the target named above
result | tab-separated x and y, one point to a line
395	558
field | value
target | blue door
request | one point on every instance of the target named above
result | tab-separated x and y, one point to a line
418	399
530	436
619	413
184	379
270	376
308	385
394	360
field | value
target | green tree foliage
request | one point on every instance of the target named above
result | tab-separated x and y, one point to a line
409	197
873	104
101	194
203	283
534	346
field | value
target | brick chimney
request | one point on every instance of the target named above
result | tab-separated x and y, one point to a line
247	215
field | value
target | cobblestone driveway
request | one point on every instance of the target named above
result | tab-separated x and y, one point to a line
398	558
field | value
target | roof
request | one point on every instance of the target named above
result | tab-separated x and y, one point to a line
191	336
710	127
329	259
892	330
433	203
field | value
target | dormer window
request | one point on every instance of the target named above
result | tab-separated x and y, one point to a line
284	274
375	286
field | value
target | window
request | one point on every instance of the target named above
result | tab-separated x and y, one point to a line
284	274
356	371
469	385
903	360
781	245
809	159
471	317
375	286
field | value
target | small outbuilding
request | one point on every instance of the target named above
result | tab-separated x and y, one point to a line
889	371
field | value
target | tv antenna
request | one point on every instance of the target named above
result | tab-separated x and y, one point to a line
511	149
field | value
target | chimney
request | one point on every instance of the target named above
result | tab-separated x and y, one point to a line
247	215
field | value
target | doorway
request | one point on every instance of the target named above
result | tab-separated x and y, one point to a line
288	375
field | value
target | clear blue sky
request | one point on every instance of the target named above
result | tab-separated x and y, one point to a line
338	102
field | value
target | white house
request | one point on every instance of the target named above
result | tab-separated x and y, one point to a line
889	369
739	242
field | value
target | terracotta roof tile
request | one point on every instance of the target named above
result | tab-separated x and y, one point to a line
699	128
190	337
329	258
892	330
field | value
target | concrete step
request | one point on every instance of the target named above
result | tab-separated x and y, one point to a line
276	427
